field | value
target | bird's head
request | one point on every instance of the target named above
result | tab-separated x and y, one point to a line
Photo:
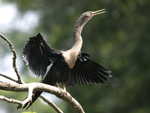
85	17
90	14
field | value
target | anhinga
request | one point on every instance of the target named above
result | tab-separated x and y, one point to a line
67	67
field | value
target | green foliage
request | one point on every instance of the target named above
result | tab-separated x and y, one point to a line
118	40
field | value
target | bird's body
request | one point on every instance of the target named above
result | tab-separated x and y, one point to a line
67	67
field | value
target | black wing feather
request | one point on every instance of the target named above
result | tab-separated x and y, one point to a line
94	75
86	71
37	55
85	75
101	69
97	72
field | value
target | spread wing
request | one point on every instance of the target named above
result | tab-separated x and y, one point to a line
37	55
86	71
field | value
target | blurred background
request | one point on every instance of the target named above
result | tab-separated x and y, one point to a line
118	40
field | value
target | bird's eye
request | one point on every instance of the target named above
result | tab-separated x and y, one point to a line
90	12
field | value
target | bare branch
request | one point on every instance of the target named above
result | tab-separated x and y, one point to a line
44	87
10	100
5	76
14	56
51	104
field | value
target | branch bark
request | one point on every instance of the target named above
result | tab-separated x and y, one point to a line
42	87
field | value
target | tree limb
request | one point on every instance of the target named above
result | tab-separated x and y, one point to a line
5	76
14	56
10	100
43	87
50	103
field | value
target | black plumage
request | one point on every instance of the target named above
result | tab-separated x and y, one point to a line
69	67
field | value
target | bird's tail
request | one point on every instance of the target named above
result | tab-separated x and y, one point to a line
36	94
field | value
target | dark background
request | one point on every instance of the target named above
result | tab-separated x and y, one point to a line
118	40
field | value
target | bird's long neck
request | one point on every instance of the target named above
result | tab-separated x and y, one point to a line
77	34
72	54
77	39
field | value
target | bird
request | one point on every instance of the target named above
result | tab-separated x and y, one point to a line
68	67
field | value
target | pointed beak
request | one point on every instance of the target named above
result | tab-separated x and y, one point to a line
98	12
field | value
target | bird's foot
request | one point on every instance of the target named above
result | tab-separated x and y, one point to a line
58	86
64	88
63	84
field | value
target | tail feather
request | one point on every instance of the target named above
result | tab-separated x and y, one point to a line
36	94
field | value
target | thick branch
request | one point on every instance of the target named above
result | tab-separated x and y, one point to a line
14	56
43	87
